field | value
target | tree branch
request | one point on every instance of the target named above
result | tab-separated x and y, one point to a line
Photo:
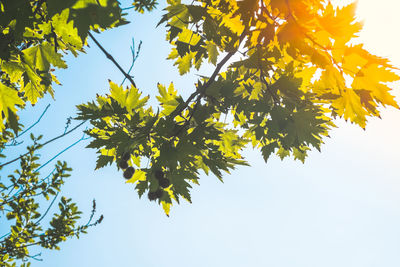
262	78
45	143
200	91
112	60
30	127
47	210
134	57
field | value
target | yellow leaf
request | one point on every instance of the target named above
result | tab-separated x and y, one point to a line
331	81
234	24
349	106
306	76
167	207
256	92
174	54
372	59
139	175
118	94
188	37
254	37
340	23
184	63
128	98
372	78
353	62
167	98
289	32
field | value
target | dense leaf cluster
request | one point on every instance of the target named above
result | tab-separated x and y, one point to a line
34	37
23	197
283	70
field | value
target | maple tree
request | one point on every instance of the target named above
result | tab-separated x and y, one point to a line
34	36
283	70
298	69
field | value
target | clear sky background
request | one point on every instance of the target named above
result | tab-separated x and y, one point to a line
340	208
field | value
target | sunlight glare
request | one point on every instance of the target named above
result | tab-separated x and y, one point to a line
380	36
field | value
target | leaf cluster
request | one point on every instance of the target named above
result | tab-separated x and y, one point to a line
284	69
34	37
23	194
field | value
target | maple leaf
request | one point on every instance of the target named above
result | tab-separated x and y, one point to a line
212	52
349	105
128	98
41	57
168	98
9	99
64	27
341	23
184	63
189	37
233	23
373	78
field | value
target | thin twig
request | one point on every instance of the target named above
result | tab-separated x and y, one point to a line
62	151
30	127
92	213
112	60
134	57
67	124
41	116
126	8
47	210
42	145
35	257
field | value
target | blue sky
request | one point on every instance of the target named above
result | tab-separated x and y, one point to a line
340	208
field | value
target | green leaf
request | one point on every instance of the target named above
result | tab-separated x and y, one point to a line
9	99
184	63
212	52
64	27
13	69
104	160
168	98
268	149
42	56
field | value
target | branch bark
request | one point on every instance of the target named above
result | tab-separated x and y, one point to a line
200	91
110	57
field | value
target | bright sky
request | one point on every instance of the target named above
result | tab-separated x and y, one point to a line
341	208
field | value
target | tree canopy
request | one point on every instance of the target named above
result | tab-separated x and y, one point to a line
297	67
283	70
